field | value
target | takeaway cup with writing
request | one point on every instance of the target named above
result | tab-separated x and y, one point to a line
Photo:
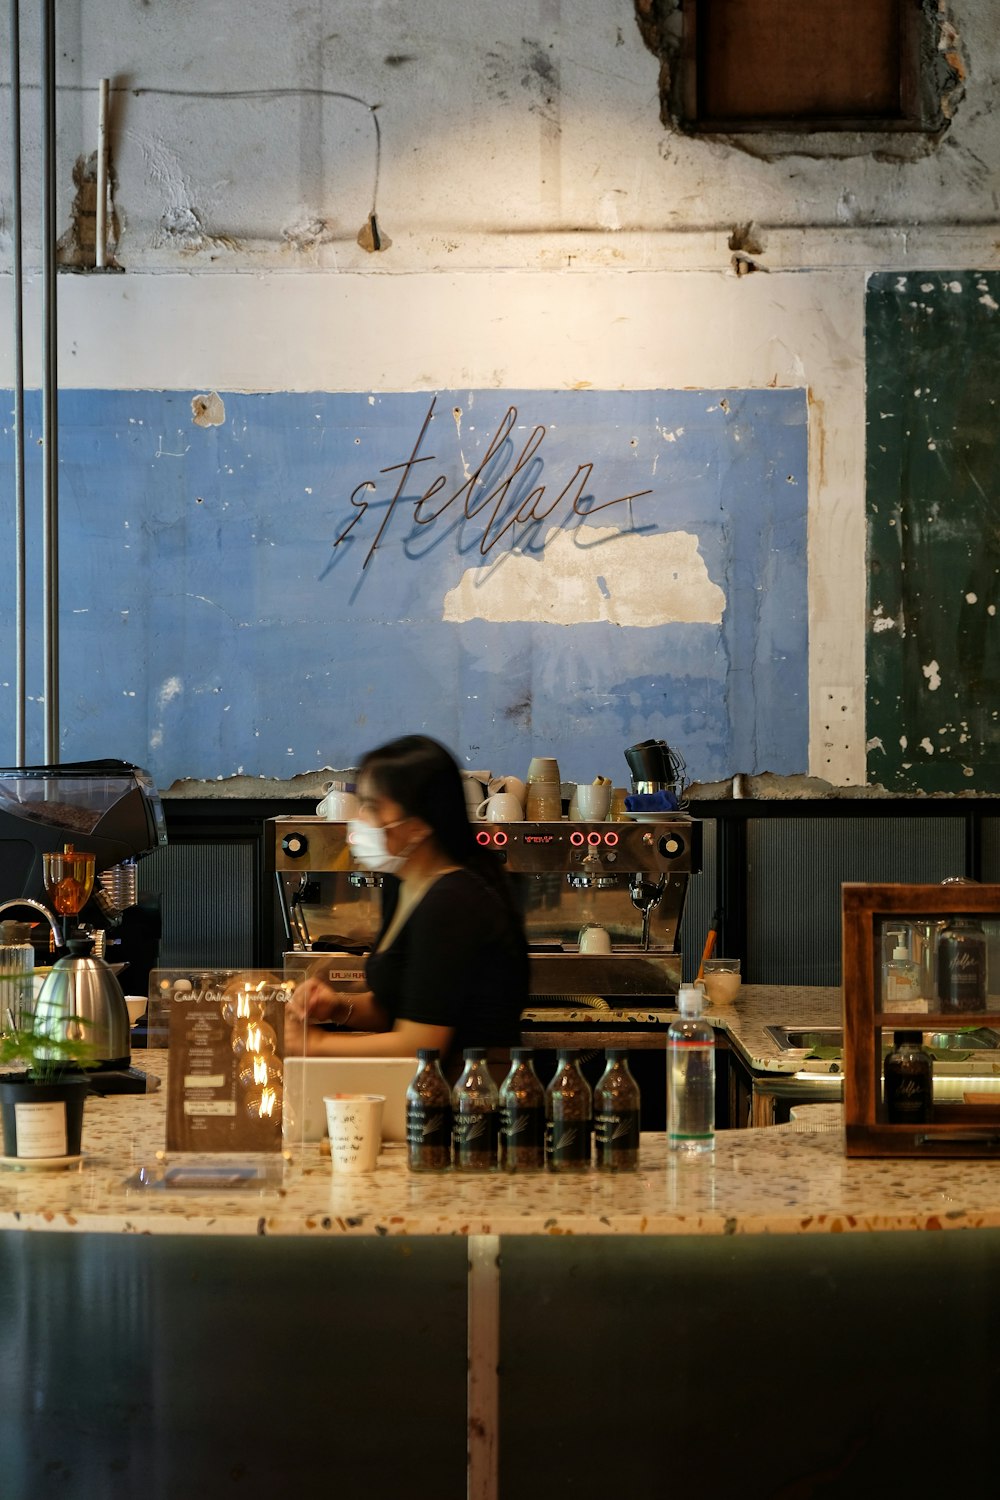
354	1123
503	807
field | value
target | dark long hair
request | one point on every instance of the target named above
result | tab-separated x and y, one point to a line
424	778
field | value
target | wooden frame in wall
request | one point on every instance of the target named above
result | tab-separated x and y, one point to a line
968	1125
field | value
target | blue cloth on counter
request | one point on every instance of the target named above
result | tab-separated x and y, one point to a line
661	801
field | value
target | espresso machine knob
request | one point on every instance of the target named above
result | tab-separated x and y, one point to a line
294	845
672	845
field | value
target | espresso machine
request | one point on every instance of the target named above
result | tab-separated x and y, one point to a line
627	879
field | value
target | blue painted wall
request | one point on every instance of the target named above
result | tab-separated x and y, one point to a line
210	625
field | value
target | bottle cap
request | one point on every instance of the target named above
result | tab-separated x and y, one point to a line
901	952
690	1000
521	1054
474	1054
427	1054
914	1038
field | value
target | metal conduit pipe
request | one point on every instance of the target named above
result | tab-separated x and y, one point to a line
20	671
50	389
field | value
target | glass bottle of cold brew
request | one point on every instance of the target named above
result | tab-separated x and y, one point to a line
475	1115
568	1115
522	1114
908	1087
961	965
428	1115
616	1116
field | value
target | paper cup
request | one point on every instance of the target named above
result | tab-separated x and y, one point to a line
354	1124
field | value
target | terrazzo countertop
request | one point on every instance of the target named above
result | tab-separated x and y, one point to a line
795	1180
757	1006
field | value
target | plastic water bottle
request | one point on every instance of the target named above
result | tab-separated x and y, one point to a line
690	1077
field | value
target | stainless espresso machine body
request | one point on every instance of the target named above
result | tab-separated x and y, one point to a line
630	878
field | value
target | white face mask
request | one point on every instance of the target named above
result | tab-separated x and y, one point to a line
368	847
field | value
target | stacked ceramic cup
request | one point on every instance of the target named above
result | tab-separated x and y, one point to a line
544	804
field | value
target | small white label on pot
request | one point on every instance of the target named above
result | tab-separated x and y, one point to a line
41	1129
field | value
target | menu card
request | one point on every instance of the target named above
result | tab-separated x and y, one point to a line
225	1082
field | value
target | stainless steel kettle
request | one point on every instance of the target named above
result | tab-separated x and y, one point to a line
83	987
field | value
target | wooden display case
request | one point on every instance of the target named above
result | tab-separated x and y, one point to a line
967	1123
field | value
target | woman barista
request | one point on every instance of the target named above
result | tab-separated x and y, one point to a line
450	964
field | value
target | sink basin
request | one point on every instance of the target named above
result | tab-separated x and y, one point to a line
794	1038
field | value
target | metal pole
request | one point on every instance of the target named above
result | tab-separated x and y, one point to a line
50	388
101	223
19	524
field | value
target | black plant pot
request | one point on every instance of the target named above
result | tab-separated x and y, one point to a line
41	1120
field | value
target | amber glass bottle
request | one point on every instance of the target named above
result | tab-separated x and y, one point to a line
522	1115
428	1116
568	1112
908	1087
616	1116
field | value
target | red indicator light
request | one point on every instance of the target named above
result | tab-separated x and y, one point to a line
576	838
611	838
593	838
500	838
482	837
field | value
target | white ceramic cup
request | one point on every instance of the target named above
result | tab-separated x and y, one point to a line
593	802
594	939
338	807
354	1124
512	784
502	807
474	787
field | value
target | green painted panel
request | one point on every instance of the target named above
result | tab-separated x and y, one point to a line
933	510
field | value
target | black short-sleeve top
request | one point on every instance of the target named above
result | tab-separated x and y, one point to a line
459	960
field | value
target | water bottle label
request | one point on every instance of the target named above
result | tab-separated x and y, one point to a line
616	1131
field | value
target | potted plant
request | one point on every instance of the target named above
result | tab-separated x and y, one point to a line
41	1107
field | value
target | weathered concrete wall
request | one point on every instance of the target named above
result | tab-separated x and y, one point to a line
539	226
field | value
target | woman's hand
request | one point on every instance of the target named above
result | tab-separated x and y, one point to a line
315	1000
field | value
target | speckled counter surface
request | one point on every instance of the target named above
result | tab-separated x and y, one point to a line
758	1006
761	1181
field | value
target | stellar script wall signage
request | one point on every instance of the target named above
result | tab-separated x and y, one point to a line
492	494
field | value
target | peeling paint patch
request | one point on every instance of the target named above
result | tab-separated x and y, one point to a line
307	232
925	744
208	411
933	676
643	581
